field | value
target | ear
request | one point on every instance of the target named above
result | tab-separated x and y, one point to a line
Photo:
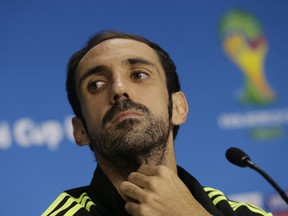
79	132
180	108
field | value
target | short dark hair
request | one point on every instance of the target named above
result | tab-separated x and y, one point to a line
172	80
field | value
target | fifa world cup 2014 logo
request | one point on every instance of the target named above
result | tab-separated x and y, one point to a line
246	45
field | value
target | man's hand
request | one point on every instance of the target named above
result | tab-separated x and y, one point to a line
157	190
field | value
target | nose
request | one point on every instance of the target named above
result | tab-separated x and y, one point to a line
119	90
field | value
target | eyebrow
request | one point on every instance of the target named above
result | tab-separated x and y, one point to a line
138	60
90	72
128	62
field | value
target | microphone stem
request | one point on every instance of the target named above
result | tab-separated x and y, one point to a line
270	180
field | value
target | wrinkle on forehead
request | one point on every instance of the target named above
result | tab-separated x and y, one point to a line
118	47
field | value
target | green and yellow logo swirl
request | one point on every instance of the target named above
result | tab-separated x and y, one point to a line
246	45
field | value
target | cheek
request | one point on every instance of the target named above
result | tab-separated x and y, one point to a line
93	113
158	103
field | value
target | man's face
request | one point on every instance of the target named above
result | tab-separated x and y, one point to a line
122	89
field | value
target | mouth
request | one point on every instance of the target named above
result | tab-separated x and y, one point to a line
125	115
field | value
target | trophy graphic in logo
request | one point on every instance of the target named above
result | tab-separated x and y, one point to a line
246	45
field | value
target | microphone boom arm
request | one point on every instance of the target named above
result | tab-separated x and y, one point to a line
268	178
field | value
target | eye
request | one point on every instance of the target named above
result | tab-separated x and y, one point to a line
139	75
95	85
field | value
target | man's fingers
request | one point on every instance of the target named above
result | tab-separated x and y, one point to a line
148	170
131	207
136	209
160	171
149	178
138	179
131	191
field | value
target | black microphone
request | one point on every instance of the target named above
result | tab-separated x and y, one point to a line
239	158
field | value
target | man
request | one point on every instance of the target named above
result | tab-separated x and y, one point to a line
125	93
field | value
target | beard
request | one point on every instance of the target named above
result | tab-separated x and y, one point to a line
132	142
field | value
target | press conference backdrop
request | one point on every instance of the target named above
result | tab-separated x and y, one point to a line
232	60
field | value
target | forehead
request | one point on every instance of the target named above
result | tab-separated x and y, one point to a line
117	49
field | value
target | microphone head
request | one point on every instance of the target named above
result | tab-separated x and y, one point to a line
237	157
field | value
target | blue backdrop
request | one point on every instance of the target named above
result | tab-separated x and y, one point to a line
217	56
